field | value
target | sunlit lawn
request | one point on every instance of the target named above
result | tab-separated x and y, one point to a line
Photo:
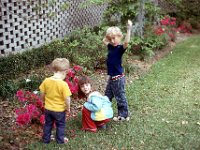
164	106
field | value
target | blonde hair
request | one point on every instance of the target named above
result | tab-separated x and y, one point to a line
113	31
60	64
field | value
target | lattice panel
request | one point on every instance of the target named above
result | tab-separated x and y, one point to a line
22	29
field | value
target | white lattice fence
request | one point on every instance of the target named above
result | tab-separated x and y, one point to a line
19	30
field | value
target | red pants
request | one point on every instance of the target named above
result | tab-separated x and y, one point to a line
89	124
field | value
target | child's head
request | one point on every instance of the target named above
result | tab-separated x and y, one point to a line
60	64
114	35
84	86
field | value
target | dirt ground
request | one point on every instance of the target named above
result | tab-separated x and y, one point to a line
14	138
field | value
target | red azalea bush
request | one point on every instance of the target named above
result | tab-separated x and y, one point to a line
167	26
185	27
31	110
72	80
31	106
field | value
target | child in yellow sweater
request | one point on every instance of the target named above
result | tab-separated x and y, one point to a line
56	96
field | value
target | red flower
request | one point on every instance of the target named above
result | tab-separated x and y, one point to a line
23	119
42	119
75	80
31	110
77	68
20	96
70	74
39	103
159	31
35	114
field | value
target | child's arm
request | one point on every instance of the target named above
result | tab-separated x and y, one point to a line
67	101
128	34
93	104
105	41
42	96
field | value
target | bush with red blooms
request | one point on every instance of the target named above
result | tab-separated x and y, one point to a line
72	80
167	26
185	27
31	110
31	106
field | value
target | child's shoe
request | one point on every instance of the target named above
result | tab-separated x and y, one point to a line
52	137
66	140
119	118
103	127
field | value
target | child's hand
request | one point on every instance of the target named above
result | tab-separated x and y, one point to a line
68	110
129	24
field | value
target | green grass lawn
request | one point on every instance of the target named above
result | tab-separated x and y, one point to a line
164	106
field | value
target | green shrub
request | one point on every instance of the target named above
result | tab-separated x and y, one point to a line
195	22
13	65
86	47
145	47
30	83
7	88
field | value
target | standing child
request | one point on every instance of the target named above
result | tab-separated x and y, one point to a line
56	95
116	82
97	110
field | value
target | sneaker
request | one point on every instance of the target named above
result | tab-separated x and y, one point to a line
119	118
66	140
52	137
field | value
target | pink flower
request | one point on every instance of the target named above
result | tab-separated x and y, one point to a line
159	31
30	108
70	74
35	114
77	68
172	23
42	119
20	96
23	119
19	111
20	93
75	80
39	103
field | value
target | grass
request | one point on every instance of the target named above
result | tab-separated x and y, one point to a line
164	106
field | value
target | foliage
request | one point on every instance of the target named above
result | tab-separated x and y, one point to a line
87	3
186	11
7	88
145	47
119	11
88	43
38	8
13	65
30	83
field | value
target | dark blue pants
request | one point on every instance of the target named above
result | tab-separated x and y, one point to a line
59	119
117	89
